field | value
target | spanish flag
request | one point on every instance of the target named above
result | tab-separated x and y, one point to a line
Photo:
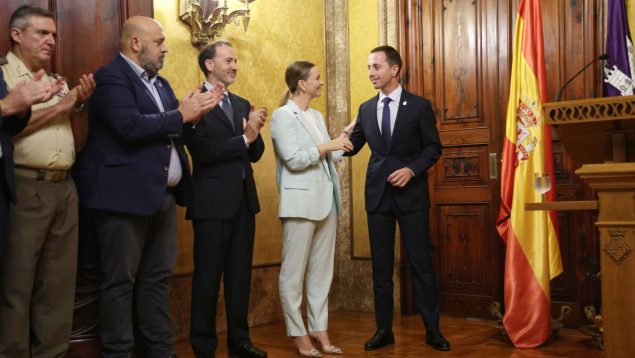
533	252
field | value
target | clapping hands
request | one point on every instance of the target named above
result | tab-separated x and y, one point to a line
198	103
257	119
30	92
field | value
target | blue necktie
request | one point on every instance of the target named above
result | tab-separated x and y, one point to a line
229	111
385	123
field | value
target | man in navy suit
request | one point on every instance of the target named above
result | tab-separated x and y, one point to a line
223	145
133	171
15	111
401	132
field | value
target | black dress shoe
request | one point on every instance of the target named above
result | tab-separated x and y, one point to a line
206	355
437	341
382	338
248	351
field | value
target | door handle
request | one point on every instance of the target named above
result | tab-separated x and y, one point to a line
493	165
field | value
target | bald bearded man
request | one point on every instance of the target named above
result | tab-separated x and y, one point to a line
133	171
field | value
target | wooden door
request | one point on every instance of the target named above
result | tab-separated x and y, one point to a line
451	50
88	37
458	53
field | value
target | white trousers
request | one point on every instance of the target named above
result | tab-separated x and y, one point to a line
308	247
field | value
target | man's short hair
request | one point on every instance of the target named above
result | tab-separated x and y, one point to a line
209	52
20	18
392	56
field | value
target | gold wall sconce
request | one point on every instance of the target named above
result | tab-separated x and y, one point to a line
207	18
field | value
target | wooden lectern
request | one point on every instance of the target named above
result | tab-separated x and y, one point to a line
599	135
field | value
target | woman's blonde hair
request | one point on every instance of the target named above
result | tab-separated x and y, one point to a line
296	72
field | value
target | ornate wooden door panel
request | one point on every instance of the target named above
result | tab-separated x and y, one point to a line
458	58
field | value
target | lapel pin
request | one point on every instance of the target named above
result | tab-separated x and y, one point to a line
160	84
405	103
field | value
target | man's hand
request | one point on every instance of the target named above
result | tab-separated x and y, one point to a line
198	103
67	103
257	119
85	88
349	128
400	178
340	143
78	95
259	115
218	91
30	92
251	129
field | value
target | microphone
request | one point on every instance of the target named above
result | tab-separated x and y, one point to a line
602	57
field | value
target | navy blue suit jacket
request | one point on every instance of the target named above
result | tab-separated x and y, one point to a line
8	128
220	159
123	167
415	144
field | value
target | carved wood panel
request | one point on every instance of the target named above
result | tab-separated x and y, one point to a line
465	275
459	61
463	241
463	164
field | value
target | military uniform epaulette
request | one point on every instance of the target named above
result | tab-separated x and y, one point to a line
3	61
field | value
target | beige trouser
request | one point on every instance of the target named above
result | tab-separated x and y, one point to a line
308	247
37	278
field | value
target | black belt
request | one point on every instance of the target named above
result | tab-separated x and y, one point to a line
42	174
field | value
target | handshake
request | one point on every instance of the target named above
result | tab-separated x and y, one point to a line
340	143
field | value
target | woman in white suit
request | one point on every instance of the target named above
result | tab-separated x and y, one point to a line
309	204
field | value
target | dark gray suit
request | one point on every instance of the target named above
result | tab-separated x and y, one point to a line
223	211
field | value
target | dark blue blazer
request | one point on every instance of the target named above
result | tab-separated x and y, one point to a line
8	128
220	159
124	166
415	144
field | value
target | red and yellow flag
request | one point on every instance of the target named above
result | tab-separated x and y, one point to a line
533	252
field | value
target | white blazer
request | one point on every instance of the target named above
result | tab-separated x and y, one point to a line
307	183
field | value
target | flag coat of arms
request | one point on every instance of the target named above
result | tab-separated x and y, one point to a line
533	252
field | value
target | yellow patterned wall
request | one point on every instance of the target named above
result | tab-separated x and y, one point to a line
363	35
280	32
